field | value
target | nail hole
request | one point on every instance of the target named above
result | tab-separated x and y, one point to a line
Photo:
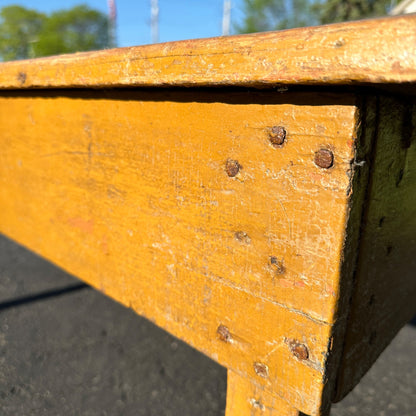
242	237
257	405
339	43
381	221
261	369
277	265
21	77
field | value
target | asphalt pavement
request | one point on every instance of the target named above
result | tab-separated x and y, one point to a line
66	349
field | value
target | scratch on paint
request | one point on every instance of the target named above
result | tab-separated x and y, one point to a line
287	218
89	154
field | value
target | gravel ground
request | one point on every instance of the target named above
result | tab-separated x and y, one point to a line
76	352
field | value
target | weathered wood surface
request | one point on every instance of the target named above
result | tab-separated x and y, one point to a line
130	192
381	52
244	397
384	294
184	205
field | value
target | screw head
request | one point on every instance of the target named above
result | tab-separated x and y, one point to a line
277	136
232	167
324	158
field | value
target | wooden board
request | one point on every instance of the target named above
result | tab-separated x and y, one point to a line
260	227
247	398
377	52
133	192
384	296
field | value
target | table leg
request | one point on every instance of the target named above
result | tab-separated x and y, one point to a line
245	398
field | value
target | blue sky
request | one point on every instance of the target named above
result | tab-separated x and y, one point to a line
179	19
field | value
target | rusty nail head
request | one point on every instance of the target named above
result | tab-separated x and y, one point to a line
277	136
224	333
261	369
277	265
299	350
232	167
324	158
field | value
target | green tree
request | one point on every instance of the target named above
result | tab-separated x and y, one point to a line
19	30
73	30
264	15
26	33
343	10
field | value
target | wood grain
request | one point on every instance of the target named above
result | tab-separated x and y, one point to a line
273	230
377	52
244	397
130	192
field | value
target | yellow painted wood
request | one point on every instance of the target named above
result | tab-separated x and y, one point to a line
182	205
245	398
381	51
129	190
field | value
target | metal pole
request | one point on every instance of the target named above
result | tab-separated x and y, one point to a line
226	18
154	22
112	27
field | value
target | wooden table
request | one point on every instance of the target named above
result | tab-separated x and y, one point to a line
253	195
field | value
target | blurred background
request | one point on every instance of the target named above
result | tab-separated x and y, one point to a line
31	29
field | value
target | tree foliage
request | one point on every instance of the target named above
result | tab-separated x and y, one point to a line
26	33
19	29
345	10
77	29
263	15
